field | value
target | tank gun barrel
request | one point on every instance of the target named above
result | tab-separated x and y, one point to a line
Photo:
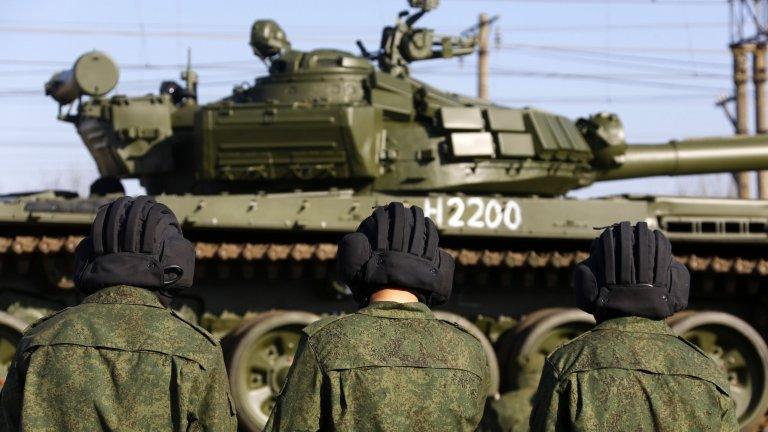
694	156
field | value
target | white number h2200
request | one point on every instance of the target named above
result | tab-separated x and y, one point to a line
480	213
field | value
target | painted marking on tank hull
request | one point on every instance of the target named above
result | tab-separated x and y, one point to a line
473	212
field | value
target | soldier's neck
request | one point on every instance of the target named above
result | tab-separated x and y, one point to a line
393	295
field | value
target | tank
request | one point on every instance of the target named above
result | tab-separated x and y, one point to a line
267	179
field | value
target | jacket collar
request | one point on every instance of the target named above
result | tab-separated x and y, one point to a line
636	325
388	309
125	294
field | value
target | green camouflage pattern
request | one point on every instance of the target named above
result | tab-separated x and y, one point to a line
388	367
119	361
632	374
508	413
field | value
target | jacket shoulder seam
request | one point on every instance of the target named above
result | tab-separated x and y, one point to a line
34	347
316	327
209	337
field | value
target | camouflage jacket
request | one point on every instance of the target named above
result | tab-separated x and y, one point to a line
388	367
509	413
119	361
632	374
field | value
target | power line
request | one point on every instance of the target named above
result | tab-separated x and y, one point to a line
160	32
653	98
613	2
616	79
575	57
614	27
563	50
223	36
503	70
115	32
357	29
611	53
641	49
638	80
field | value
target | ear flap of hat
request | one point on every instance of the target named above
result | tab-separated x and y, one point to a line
585	287
111	269
446	266
679	286
83	255
178	252
353	253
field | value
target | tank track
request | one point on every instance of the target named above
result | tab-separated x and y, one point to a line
24	255
22	245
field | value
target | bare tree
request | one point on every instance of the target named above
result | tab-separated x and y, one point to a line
713	186
70	179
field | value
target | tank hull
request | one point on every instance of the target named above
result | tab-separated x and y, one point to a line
266	252
276	251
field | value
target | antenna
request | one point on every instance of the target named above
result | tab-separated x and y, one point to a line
190	77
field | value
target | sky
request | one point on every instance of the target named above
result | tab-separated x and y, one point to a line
661	65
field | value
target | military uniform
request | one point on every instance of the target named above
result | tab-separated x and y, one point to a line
119	361
632	374
388	367
509	413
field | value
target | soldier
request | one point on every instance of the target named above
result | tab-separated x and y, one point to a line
391	366
511	411
122	360
631	372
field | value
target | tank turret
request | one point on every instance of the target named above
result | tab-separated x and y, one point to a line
328	118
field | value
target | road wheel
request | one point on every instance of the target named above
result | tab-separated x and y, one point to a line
259	354
526	346
11	330
740	352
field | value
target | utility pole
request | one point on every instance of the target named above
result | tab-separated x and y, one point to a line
482	56
759	77
749	34
740	75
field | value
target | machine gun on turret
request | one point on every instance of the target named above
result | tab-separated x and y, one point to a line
402	43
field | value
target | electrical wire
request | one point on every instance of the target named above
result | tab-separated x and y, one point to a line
612	2
601	52
650	98
346	31
614	27
693	70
